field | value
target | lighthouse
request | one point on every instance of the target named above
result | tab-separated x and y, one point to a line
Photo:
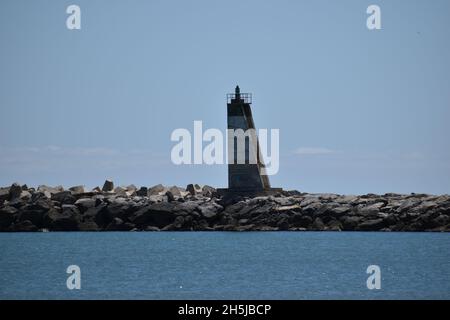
245	163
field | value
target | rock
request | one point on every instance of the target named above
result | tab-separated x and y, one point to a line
283	223
176	191
208	191
68	220
64	197
108	186
77	189
371	225
201	208
117	209
120	191
25	195
156	190
285	201
248	227
372	209
407	205
88	225
14	191
300	220
201	225
24	226
158	215
157	198
142	192
334	225
287	208
187	208
340	211
152	228
178	224
85	203
170	196
311	208
318	225
191	189
97	215
349	223
131	188
390	219
210	210
34	215
51	190
7	217
40	195
117	224
4	195
349	199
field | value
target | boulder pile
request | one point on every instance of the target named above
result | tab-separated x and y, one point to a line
200	208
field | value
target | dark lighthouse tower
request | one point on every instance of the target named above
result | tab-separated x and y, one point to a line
244	175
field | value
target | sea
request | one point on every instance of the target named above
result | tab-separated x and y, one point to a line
224	265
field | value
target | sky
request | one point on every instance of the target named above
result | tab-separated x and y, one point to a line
359	111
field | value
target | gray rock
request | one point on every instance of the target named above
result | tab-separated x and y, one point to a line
118	224
76	189
349	223
334	225
176	191
372	209
340	211
142	192
318	225
210	210
14	191
208	191
25	195
64	197
170	196
283	222
371	225
152	228
300	220
191	189
24	226
68	220
7	214
85	203
158	215
51	190
131	188
120	191
108	186
4	195
156	190
88	225
407	205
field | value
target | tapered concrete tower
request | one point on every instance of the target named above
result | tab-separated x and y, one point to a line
244	159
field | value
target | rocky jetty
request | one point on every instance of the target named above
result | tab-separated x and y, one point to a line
199	208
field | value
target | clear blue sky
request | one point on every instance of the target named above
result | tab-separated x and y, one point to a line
358	111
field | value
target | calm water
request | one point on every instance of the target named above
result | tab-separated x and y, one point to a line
224	265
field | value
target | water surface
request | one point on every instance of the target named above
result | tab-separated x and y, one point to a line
224	265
